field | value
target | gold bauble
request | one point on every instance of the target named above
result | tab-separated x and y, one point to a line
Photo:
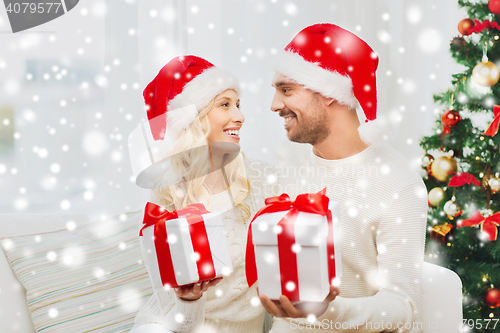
436	195
486	179
486	74
443	167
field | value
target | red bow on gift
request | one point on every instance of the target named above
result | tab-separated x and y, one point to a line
154	213
488	224
156	216
462	179
493	128
316	203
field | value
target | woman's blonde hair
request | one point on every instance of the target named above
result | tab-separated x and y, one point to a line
184	182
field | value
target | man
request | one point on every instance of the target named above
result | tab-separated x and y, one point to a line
323	74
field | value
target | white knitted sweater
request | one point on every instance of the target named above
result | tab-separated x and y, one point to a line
230	306
383	211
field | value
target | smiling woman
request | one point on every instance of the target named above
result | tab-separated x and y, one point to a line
202	125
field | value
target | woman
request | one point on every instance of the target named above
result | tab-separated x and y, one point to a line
202	111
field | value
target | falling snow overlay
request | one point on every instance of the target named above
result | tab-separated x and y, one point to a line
71	93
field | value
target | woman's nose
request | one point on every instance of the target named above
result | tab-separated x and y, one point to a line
238	116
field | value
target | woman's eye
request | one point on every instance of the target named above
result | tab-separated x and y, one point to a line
238	106
224	104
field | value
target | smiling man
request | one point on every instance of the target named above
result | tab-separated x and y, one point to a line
324	74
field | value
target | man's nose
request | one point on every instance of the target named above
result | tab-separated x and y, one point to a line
277	103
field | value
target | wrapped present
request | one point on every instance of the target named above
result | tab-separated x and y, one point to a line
442	233
184	246
291	247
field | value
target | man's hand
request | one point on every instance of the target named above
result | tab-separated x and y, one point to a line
192	292
285	308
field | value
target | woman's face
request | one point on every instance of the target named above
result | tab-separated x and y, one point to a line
225	118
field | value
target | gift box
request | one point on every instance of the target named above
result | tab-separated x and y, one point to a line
291	247
442	233
184	246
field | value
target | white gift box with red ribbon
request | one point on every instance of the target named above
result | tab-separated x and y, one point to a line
310	233
184	249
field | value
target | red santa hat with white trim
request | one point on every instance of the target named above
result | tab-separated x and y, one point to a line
182	88
338	64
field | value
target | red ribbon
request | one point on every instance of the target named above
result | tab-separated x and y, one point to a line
158	216
316	203
462	179
493	128
480	26
488	224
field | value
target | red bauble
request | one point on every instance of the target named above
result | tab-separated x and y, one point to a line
494	6
492	298
450	117
465	25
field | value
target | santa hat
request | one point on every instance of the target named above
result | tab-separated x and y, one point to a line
338	64
173	99
181	89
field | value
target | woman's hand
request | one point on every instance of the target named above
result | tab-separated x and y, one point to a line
192	292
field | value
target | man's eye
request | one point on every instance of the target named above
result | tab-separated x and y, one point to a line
285	90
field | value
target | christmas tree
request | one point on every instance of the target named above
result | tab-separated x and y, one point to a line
463	166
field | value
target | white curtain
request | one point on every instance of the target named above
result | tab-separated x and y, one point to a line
114	48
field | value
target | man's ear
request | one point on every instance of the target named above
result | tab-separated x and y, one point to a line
327	101
330	101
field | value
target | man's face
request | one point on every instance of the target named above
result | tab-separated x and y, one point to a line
302	110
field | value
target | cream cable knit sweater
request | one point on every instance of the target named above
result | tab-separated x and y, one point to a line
230	306
383	210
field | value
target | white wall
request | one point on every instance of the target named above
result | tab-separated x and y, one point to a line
133	40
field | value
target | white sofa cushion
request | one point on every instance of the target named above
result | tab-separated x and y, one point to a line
90	279
14	312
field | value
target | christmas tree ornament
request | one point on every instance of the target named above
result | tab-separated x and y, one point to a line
486	73
452	209
494	184
494	6
436	196
458	42
486	220
442	233
449	118
443	167
486	179
492	298
493	128
427	161
465	25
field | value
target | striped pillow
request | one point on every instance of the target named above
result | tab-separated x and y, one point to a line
91	279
